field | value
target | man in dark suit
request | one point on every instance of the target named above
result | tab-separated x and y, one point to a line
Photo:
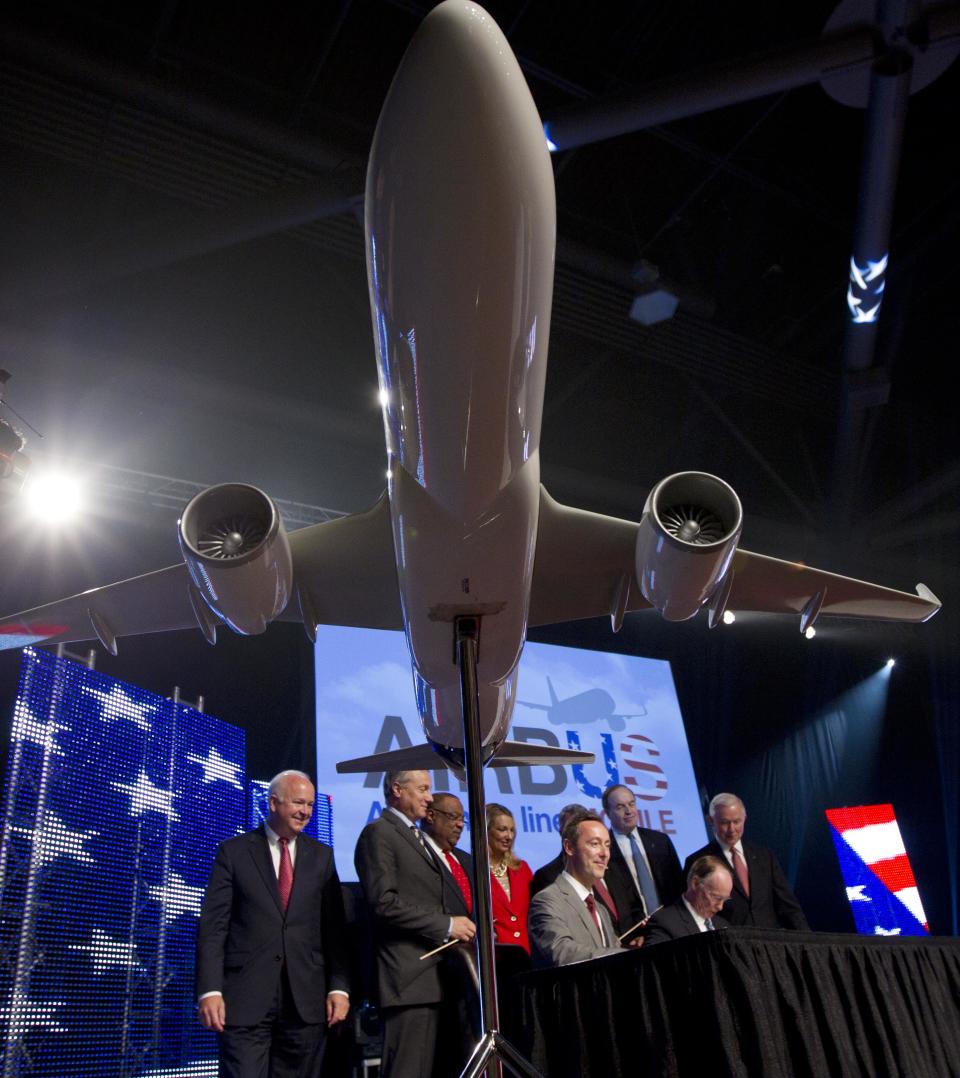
411	901
644	871
709	883
460	1008
761	897
271	972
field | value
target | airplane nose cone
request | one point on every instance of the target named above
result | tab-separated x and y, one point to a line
459	102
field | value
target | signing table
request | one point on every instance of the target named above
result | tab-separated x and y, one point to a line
751	1002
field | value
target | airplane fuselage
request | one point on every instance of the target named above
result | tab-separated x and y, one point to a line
460	223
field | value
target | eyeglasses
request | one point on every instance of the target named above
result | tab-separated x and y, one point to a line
454	817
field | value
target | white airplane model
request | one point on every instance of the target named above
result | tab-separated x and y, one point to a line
460	231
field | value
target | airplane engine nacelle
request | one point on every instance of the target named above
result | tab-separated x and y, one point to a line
688	534
238	555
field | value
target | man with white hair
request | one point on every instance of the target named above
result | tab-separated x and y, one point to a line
761	897
271	968
415	909
709	884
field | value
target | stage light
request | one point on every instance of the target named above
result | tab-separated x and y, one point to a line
53	497
729	617
551	145
384	397
810	632
891	662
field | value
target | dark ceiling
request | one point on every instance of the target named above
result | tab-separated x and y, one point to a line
176	296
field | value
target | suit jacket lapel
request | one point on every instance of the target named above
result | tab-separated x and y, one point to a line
407	832
262	858
687	918
580	908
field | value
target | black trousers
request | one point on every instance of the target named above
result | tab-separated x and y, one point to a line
409	1040
281	1045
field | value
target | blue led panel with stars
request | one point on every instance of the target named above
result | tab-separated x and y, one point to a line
114	802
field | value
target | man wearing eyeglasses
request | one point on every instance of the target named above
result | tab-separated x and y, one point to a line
460	1014
709	883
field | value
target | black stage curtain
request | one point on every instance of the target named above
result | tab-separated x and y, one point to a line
751	1002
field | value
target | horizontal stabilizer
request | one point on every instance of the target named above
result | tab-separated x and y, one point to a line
522	754
414	758
428	758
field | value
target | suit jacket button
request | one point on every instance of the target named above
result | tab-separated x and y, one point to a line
513	916
278	958
516	935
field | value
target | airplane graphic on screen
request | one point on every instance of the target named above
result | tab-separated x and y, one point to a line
591	705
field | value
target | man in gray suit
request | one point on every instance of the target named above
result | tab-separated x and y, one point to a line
412	900
566	922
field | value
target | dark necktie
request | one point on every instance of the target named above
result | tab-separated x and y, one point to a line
600	888
285	877
460	876
740	868
592	907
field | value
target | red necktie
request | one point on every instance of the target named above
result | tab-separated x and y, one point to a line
592	907
461	877
607	899
285	878
740	867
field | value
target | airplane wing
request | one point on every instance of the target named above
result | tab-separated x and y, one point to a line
770	585
343	570
585	567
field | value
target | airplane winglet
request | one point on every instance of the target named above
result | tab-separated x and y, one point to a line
927	595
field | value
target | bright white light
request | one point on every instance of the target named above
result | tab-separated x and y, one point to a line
384	397
389	474
53	498
729	617
551	145
890	662
810	632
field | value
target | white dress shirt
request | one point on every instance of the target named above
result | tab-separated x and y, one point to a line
582	893
274	841
701	923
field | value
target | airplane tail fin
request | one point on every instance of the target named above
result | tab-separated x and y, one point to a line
427	757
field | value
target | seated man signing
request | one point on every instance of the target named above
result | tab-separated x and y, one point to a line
567	923
709	883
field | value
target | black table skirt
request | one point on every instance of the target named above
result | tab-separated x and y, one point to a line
751	1002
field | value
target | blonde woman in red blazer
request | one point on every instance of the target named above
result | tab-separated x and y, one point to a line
509	879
